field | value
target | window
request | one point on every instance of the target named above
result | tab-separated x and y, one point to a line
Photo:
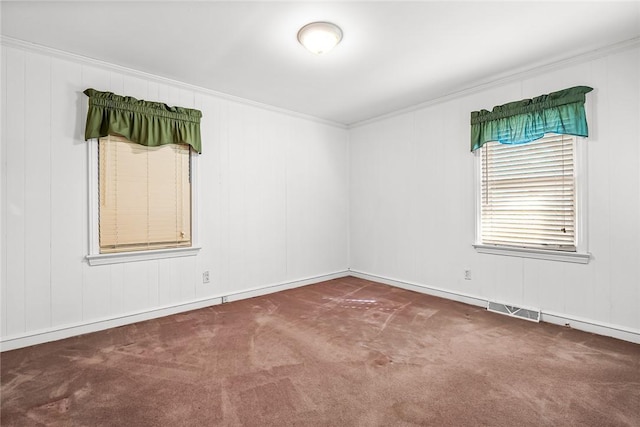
145	196
528	199
142	201
527	194
530	176
142	179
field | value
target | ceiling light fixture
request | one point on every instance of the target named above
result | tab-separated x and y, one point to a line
320	37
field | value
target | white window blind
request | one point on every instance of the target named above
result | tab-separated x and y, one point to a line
145	196
528	194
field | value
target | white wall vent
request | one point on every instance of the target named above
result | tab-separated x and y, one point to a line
513	311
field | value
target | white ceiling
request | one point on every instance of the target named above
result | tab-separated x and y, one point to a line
393	55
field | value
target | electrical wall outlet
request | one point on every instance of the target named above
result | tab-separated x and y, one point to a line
467	275
205	277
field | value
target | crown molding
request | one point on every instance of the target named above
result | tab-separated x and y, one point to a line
84	60
509	77
478	86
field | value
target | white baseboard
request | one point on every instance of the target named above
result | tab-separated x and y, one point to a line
424	289
269	289
67	331
587	325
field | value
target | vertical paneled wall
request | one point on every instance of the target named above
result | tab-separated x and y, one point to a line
272	199
412	199
281	196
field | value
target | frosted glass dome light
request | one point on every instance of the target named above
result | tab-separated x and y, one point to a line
319	37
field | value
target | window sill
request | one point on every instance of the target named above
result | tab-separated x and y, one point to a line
116	258
575	257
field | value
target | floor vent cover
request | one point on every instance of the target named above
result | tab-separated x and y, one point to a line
513	311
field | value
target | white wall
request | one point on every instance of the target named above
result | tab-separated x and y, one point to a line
273	202
412	201
281	196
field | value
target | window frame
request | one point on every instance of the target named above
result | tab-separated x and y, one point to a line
581	255
94	256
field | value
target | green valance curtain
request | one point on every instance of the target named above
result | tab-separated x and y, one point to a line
519	122
143	122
